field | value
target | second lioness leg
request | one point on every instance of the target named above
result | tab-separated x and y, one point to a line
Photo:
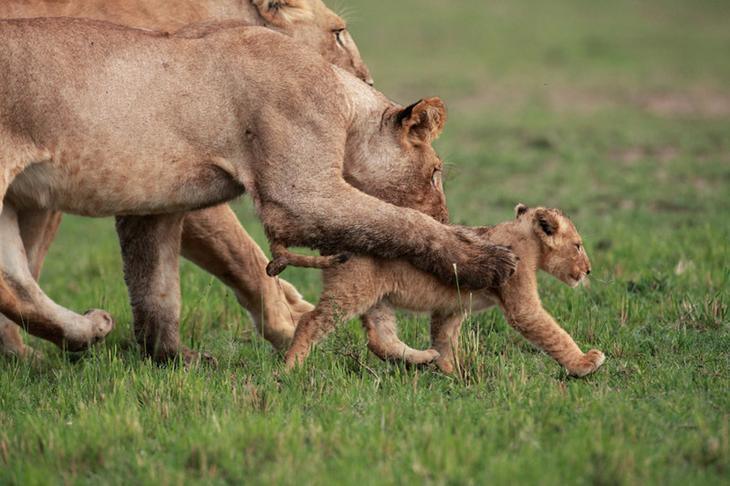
150	250
381	326
214	239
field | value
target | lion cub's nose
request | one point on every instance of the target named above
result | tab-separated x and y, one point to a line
588	272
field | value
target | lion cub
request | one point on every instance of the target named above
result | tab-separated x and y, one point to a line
543	239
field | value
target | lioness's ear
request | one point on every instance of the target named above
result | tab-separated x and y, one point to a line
520	209
545	222
281	13
423	121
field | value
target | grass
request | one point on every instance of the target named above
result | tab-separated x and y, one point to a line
617	113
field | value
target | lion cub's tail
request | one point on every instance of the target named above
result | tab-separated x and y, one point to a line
282	258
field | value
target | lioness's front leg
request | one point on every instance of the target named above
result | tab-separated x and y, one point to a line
150	250
214	239
334	216
524	312
22	300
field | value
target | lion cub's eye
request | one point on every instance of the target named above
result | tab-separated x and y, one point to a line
338	36
578	246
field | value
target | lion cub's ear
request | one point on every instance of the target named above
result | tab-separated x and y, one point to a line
423	121
281	13
520	209
545	222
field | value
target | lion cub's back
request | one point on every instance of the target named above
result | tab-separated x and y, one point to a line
402	284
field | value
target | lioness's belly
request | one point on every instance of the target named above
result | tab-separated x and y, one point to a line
101	190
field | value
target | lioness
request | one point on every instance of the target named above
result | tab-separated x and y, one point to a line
543	239
212	237
99	119
310	22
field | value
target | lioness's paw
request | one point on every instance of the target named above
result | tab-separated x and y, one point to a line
102	323
503	263
481	264
589	363
446	365
93	327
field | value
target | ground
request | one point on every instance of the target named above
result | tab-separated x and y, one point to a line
618	113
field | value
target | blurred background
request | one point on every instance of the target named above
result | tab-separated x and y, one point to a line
616	112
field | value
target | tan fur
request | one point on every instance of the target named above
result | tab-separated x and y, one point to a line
108	120
212	238
309	21
543	239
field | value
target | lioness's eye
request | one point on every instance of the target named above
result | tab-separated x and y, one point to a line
436	177
338	36
578	246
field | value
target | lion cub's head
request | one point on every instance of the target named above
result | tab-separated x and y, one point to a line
561	247
313	24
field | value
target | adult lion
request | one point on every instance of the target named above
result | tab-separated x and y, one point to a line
213	237
262	116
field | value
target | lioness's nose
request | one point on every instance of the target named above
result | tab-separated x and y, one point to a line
588	272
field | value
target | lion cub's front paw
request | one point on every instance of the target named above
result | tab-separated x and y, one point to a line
588	363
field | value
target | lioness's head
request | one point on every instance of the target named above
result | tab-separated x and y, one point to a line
562	251
315	25
396	162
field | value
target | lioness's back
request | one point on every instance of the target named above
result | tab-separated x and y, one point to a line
65	63
96	39
150	112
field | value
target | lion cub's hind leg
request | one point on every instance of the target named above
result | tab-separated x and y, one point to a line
348	291
381	326
445	330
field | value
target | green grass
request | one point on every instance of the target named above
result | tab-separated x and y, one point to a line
618	113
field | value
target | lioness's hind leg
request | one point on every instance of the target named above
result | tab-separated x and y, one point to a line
381	326
22	300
